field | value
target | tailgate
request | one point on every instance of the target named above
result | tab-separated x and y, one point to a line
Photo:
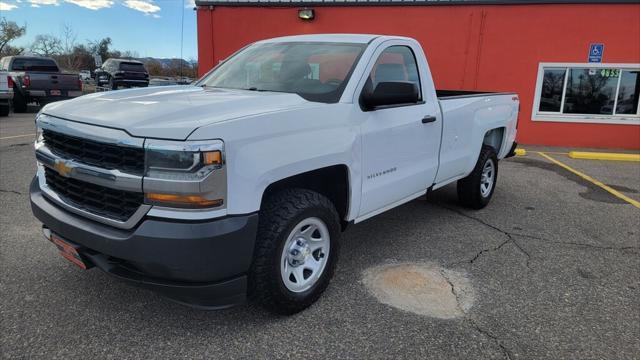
53	81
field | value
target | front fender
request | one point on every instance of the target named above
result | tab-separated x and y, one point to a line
264	149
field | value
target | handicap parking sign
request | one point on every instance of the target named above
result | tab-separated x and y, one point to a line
595	53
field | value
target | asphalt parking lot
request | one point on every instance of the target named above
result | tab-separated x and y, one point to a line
554	262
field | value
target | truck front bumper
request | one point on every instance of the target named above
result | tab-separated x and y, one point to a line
202	264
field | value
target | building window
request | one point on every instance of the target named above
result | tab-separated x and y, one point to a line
596	93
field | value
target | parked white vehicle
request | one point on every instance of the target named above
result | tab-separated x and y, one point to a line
85	75
241	184
6	93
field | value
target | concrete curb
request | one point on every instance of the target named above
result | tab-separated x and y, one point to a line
604	156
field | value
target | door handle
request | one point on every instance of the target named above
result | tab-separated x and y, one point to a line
428	119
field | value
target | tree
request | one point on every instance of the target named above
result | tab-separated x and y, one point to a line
101	47
154	68
128	54
9	31
9	50
68	58
83	58
46	45
194	67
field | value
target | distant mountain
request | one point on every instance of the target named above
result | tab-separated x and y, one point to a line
166	62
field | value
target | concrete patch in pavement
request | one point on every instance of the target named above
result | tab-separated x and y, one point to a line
421	288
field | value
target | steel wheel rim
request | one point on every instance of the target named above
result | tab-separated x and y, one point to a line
486	179
305	255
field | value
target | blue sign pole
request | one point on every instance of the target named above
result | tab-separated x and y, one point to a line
596	51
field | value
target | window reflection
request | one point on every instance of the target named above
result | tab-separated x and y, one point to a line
396	63
591	91
552	85
628	93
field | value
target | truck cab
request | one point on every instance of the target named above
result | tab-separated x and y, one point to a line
240	185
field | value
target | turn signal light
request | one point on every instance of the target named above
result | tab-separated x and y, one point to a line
212	158
189	201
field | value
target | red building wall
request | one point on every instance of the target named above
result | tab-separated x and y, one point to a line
493	48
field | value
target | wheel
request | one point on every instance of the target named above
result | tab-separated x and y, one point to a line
19	102
475	191
296	251
4	110
112	84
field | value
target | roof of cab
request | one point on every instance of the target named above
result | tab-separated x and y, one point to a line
338	38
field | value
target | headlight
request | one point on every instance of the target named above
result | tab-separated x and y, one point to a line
182	160
185	174
39	141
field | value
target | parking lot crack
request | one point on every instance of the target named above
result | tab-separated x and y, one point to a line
573	243
453	290
510	239
505	351
11	192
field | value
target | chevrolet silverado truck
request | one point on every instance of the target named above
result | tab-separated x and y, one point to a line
39	79
239	186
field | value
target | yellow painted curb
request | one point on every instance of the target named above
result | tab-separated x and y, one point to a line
604	156
521	152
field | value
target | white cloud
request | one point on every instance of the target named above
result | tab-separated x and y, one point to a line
6	6
190	4
44	2
145	6
92	4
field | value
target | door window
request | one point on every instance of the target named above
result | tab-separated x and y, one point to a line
396	63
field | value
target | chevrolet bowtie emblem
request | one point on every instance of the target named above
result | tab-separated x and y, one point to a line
62	168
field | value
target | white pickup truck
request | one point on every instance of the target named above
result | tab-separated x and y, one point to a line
240	185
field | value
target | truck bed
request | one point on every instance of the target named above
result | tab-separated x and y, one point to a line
445	94
467	118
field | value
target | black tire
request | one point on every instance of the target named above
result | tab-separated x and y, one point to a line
279	216
4	110
19	102
470	193
112	84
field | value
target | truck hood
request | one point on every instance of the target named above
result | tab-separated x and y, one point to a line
170	112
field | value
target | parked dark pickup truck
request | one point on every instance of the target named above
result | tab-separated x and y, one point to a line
122	72
38	79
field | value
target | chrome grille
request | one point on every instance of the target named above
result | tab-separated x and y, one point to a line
107	156
114	204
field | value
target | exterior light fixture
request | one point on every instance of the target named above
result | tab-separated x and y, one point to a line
306	14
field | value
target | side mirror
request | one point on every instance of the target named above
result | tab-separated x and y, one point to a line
390	93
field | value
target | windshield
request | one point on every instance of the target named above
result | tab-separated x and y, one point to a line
315	71
31	64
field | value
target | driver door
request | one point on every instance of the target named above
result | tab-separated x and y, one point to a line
400	143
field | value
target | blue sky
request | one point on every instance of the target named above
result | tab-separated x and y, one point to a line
149	27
